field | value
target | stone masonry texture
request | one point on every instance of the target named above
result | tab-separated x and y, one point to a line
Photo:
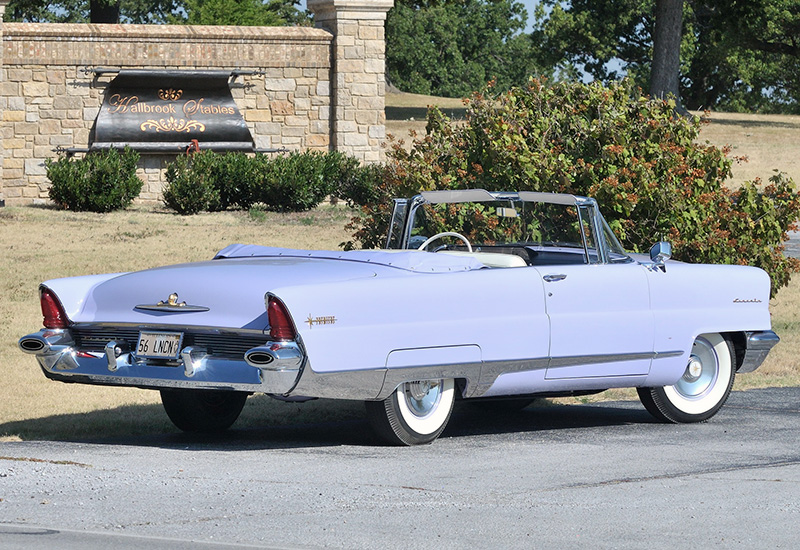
317	88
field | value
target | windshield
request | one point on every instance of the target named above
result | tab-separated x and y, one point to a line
502	225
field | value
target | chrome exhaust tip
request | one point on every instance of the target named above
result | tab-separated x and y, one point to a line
259	357
32	344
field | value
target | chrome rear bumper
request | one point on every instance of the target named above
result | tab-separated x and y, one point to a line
759	345
276	370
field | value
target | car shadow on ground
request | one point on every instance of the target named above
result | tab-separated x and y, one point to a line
336	424
543	416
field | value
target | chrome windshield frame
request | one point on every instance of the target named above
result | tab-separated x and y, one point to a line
405	210
397	225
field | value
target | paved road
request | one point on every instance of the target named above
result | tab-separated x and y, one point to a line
599	476
793	244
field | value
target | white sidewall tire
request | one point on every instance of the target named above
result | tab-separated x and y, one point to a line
413	414
719	388
434	420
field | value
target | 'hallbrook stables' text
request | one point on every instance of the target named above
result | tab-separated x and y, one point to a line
119	104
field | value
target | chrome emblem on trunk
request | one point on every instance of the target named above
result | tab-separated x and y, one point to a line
172	301
171	306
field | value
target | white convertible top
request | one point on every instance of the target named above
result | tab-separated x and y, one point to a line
409	260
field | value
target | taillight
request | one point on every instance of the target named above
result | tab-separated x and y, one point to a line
280	324
52	310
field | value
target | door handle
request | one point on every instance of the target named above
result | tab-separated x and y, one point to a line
554	278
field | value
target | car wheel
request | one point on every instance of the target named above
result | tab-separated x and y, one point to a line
416	413
205	411
703	388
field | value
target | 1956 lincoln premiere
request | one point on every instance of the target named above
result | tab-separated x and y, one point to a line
477	296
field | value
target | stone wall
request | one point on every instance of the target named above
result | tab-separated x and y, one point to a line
359	81
318	88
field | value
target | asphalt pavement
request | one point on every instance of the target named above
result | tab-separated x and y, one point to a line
581	476
793	245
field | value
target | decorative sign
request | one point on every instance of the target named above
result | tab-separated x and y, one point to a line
164	111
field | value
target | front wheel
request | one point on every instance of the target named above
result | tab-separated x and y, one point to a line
416	413
206	411
703	388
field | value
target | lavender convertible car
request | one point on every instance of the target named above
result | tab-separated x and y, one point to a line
533	296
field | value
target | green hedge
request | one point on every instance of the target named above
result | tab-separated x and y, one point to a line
99	182
208	181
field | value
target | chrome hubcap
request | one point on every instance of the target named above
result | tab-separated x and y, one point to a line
701	371
694	370
422	396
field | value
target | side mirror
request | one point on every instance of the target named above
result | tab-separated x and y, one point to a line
659	254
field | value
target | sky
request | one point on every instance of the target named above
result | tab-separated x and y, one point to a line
529	5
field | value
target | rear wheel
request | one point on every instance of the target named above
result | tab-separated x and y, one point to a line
703	388
205	411
416	413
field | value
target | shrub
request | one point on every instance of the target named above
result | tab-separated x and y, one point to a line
190	188
360	185
100	182
635	155
288	183
295	182
235	175
300	181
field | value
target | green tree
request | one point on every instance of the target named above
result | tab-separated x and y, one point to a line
665	71
736	56
766	35
95	11
206	12
451	48
240	12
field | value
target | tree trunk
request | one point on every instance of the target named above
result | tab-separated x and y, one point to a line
665	72
104	11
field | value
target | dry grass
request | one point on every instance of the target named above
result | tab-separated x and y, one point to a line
406	112
41	243
768	141
402	99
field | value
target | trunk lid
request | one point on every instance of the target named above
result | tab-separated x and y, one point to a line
219	293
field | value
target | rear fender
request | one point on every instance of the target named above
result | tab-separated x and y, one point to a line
74	292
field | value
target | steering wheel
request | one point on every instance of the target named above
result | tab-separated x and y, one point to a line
429	240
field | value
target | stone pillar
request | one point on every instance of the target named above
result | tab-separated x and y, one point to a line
3	99
358	80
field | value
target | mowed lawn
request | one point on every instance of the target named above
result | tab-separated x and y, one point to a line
41	242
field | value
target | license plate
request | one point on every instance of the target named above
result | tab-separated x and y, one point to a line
159	345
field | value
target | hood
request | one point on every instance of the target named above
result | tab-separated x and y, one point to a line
221	292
